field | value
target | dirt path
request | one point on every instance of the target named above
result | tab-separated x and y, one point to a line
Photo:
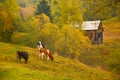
111	35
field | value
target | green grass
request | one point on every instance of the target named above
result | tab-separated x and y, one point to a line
60	69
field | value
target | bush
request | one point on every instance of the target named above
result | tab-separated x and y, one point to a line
92	56
114	62
114	58
23	39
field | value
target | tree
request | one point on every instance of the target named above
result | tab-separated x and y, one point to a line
8	12
6	25
73	43
43	7
66	11
101	9
51	37
11	6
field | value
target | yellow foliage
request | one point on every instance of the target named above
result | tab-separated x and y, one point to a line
43	19
11	6
74	41
3	13
40	21
18	37
67	11
6	21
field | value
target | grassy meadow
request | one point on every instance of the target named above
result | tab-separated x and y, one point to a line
60	69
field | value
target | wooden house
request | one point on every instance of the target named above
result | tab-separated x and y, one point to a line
94	30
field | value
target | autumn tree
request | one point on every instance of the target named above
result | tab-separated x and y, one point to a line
74	42
11	6
101	9
6	25
51	37
66	11
8	12
115	8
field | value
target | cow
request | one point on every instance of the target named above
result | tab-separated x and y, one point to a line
22	54
44	52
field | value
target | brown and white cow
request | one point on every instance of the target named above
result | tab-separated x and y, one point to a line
43	52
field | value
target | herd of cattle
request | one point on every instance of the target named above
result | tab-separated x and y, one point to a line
42	52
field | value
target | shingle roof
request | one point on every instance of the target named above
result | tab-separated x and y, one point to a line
90	25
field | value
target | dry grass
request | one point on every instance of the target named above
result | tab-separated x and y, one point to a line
111	31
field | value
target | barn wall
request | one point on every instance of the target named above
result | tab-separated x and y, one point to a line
94	36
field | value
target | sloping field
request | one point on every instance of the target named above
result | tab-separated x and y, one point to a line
60	69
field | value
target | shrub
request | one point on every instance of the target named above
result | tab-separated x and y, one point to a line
92	56
114	58
23	39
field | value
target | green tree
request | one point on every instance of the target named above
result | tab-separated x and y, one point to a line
43	7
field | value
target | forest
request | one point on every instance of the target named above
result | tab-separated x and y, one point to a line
57	23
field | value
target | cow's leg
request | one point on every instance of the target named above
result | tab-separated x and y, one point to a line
39	55
19	58
48	58
42	55
26	59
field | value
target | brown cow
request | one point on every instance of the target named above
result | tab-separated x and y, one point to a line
45	52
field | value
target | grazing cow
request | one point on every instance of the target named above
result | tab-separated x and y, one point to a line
45	52
40	45
22	54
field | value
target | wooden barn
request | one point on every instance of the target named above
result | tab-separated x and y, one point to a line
94	30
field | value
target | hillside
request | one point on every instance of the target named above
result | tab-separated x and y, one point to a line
111	30
60	69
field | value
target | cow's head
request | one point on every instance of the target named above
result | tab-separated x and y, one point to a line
40	44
